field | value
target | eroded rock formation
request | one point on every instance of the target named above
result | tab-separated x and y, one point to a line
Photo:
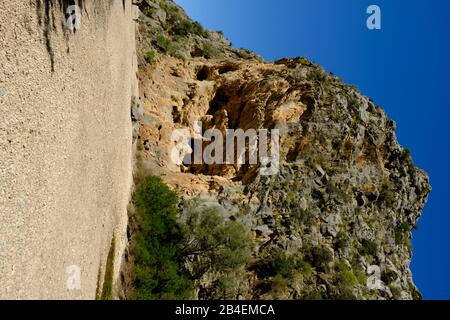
346	196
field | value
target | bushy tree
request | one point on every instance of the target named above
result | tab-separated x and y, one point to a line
162	243
221	244
319	257
158	267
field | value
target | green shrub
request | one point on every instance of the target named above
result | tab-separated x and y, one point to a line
362	278
222	245
162	242
163	5
341	241
338	192
304	61
344	275
313	295
278	285
185	27
388	276
416	295
182	28
198	29
319	257
156	245
318	74
150	11
305	217
346	285
304	268
247	54
151	56
278	264
224	287
211	52
347	279
359	270
166	45
368	247
173	12
162	42
401	233
344	294
387	193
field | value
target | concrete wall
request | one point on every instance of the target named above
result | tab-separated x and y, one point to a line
65	143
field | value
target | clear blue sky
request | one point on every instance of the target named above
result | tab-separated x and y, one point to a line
405	68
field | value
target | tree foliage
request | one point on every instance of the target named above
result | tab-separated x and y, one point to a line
158	267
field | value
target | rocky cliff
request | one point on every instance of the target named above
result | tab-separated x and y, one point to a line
335	221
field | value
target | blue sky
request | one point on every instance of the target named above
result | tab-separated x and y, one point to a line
404	67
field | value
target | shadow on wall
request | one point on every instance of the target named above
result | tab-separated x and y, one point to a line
45	11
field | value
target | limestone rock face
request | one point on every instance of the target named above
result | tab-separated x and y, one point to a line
346	196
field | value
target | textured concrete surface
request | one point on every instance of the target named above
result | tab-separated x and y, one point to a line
65	144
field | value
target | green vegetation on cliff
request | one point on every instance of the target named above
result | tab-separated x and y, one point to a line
163	245
157	269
